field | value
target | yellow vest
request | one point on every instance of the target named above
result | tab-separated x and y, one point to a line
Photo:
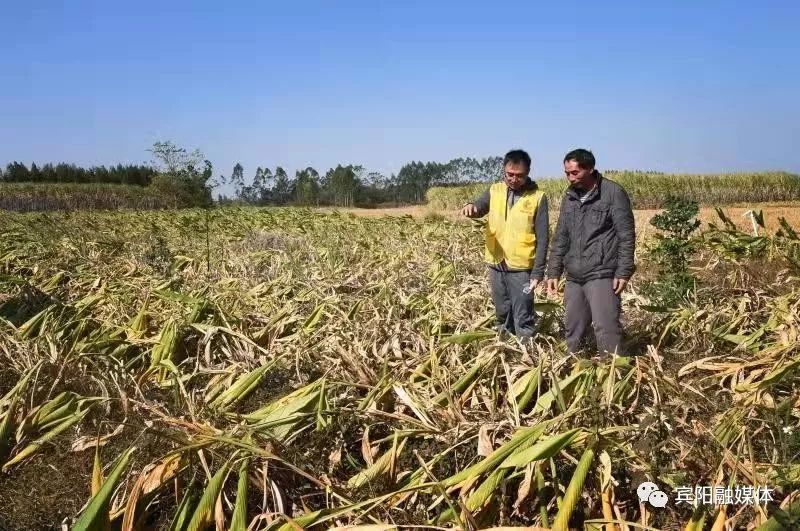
509	235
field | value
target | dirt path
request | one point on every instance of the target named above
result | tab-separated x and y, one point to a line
772	211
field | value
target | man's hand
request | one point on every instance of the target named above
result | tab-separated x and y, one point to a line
619	285
534	283
469	210
552	287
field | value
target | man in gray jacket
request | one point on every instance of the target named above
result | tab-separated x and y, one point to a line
516	242
594	241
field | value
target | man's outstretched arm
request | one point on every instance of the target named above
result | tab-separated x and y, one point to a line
477	208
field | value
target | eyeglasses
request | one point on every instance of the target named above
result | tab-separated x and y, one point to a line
517	176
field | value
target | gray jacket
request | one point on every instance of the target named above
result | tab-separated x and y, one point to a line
594	238
541	227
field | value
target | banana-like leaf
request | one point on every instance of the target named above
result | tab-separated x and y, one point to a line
34	446
573	492
97	472
96	517
522	438
469	337
184	511
239	521
243	386
204	512
380	467
463	383
542	450
7	430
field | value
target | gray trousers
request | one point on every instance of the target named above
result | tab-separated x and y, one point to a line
593	303
513	308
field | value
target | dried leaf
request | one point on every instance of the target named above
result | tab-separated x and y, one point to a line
335	457
485	447
90	441
605	471
524	489
219	515
366	448
153	477
97	472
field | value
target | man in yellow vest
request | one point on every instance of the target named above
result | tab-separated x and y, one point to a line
516	242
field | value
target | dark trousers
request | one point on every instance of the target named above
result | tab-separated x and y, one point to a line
593	303
513	308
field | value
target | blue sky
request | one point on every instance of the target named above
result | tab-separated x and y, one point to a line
672	86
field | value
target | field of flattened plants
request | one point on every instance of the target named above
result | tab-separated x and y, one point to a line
285	368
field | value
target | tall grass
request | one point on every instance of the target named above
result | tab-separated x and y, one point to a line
648	189
32	197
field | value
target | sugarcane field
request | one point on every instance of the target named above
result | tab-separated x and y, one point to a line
383	265
284	368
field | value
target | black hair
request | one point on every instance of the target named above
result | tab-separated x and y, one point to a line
516	156
583	157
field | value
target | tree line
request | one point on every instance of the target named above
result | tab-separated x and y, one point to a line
353	185
135	174
187	177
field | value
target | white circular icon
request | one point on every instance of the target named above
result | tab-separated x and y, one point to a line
645	489
658	499
649	492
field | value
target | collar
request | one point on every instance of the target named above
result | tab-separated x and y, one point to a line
590	193
529	185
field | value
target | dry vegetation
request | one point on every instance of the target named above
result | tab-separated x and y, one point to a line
648	189
27	197
291	368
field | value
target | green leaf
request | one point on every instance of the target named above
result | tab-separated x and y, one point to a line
181	518
239	522
7	430
314	318
469	337
573	492
95	517
541	450
522	438
204	513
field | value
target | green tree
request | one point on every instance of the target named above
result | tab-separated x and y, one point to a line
306	187
415	178
256	187
282	191
172	159
264	188
237	180
258	192
35	174
491	169
16	172
342	184
180	175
